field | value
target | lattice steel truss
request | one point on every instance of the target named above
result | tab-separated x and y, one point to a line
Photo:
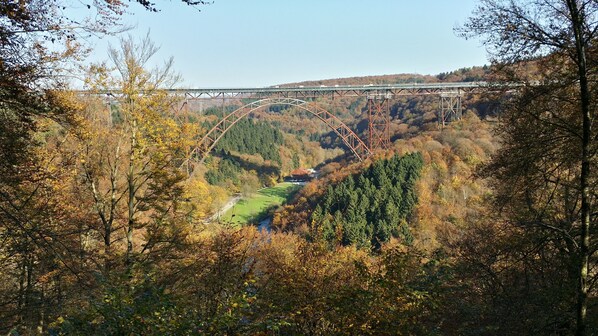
180	110
450	107
300	96
349	138
378	122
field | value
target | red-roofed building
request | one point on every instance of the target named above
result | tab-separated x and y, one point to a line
302	174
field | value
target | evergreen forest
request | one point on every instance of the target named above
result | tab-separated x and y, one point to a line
251	137
367	209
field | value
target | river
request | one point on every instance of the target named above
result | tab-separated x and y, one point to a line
264	225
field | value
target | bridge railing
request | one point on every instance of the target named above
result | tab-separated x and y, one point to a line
323	90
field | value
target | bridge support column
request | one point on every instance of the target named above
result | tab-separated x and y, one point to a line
108	114
450	108
185	111
378	122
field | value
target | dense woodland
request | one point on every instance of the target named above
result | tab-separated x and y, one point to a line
367	209
253	138
262	164
483	227
260	151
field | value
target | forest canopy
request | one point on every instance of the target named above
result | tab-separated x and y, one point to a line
369	208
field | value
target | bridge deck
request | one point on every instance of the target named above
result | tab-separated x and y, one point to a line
331	91
302	92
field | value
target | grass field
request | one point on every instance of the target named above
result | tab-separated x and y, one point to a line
255	207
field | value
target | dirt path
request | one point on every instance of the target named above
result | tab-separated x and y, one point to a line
231	202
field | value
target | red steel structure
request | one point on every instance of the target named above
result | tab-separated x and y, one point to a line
450	108
378	108
349	138
378	98
378	122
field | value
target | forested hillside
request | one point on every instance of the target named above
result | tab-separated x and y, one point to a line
259	151
369	208
249	137
447	194
409	114
460	75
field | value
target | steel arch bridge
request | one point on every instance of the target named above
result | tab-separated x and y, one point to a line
209	141
304	97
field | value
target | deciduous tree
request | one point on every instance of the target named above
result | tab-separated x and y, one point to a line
546	169
129	154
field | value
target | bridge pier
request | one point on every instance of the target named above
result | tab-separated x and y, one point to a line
378	122
108	117
450	107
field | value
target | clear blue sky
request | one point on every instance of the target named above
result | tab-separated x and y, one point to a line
268	42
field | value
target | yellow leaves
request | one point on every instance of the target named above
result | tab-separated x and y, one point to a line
456	181
98	77
67	100
199	197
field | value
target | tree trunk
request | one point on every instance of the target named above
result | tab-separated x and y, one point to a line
584	250
107	247
21	300
131	198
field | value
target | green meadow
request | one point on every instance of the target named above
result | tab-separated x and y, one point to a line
256	206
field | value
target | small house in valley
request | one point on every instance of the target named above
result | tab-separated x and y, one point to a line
302	175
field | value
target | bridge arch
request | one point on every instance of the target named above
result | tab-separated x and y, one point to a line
209	141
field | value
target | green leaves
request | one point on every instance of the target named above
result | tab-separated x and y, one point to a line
368	209
253	138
